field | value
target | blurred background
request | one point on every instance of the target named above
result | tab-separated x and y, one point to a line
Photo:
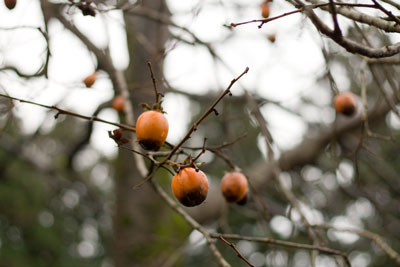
66	196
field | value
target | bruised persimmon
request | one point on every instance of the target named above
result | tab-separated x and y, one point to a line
265	9
345	103
151	129
190	187
90	80
234	187
10	4
118	103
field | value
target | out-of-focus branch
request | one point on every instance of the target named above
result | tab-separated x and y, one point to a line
282	243
367	234
389	61
44	68
262	124
348	44
354	15
387	12
299	10
392	3
192	222
236	250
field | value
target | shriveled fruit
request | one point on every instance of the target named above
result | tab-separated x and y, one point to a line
10	4
265	9
234	186
90	80
271	37
118	103
151	129
345	103
190	187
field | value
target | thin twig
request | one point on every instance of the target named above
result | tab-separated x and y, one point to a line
154	81
313	6
70	113
367	234
277	242
387	12
236	250
205	114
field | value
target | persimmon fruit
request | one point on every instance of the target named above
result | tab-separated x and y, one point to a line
151	129
190	186
271	37
90	80
10	4
118	103
345	103
234	187
265	9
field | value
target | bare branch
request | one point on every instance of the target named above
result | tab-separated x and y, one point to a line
205	114
367	234
73	114
280	243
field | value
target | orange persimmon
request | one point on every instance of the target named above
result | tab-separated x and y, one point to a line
234	186
118	103
345	103
151	129
265	9
190	187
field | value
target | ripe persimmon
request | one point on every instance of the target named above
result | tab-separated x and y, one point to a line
190	187
151	129
90	80
10	4
265	9
345	103
118	103
234	186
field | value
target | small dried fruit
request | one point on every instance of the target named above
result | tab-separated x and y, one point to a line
90	80
117	136
271	37
87	9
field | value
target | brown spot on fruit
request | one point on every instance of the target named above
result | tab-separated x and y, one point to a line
243	201
10	4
